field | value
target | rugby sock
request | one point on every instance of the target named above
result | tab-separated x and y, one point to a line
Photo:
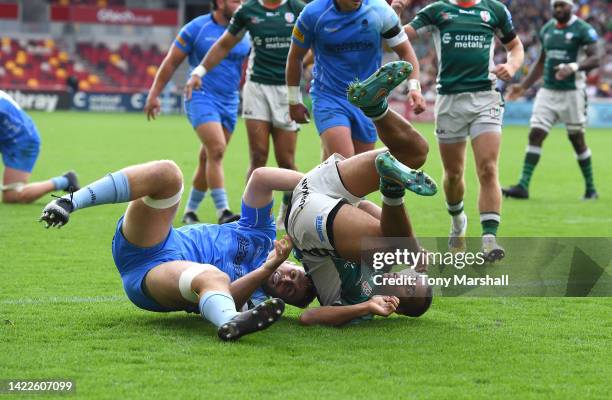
584	160
287	198
113	188
532	157
457	215
392	193
220	198
195	198
490	222
60	182
217	307
377	111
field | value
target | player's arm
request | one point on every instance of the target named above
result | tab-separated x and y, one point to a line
293	76
515	58
405	52
535	73
265	180
171	62
213	57
243	288
340	315
592	61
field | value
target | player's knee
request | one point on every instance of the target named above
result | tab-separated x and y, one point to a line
259	158
487	172
215	152
454	176
420	149
210	279
537	136
169	173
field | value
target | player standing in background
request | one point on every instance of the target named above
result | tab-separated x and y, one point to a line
264	108
345	36
20	146
568	50
467	104
212	111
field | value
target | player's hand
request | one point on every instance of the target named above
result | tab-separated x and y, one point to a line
514	92
399	5
282	249
563	71
417	101
299	113
152	108
383	305
505	72
193	83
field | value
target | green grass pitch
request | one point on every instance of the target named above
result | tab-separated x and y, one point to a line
63	313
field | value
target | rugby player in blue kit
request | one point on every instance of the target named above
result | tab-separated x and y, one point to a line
346	37
212	110
20	146
207	268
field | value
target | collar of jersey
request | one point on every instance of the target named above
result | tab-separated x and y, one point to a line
340	11
572	19
267	7
470	3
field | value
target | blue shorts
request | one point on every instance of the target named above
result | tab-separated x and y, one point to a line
204	107
330	111
21	154
133	262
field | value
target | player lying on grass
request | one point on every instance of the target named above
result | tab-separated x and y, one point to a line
19	146
213	269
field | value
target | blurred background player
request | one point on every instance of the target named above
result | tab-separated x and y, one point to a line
345	36
207	268
264	105
568	51
467	104
212	110
20	146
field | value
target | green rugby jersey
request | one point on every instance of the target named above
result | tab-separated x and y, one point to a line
565	45
356	285
464	39
270	30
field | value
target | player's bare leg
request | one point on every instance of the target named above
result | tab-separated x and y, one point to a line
453	161
259	143
284	150
486	154
337	140
16	189
532	156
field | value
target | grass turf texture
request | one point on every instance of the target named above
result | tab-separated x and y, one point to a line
63	312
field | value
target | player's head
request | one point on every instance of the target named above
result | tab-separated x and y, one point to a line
291	284
226	7
562	10
349	5
415	299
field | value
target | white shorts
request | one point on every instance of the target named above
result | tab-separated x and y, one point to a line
567	106
267	103
319	192
463	115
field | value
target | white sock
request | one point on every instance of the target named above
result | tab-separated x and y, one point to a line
217	307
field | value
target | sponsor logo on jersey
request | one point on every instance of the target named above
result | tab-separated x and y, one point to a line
569	36
366	289
470	12
364	25
466	41
485	15
319	227
256	20
297	34
289	17
331	29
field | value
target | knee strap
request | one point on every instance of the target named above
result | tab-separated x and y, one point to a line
187	277
161	204
16	186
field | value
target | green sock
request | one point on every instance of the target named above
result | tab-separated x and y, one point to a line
287	197
584	160
531	160
490	223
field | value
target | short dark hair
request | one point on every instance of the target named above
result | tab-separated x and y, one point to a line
415	306
309	296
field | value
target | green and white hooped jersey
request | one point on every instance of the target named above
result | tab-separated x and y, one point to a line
565	45
270	31
464	39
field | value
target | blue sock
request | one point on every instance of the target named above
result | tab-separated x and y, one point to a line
60	182
220	198
113	188
217	307
195	198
